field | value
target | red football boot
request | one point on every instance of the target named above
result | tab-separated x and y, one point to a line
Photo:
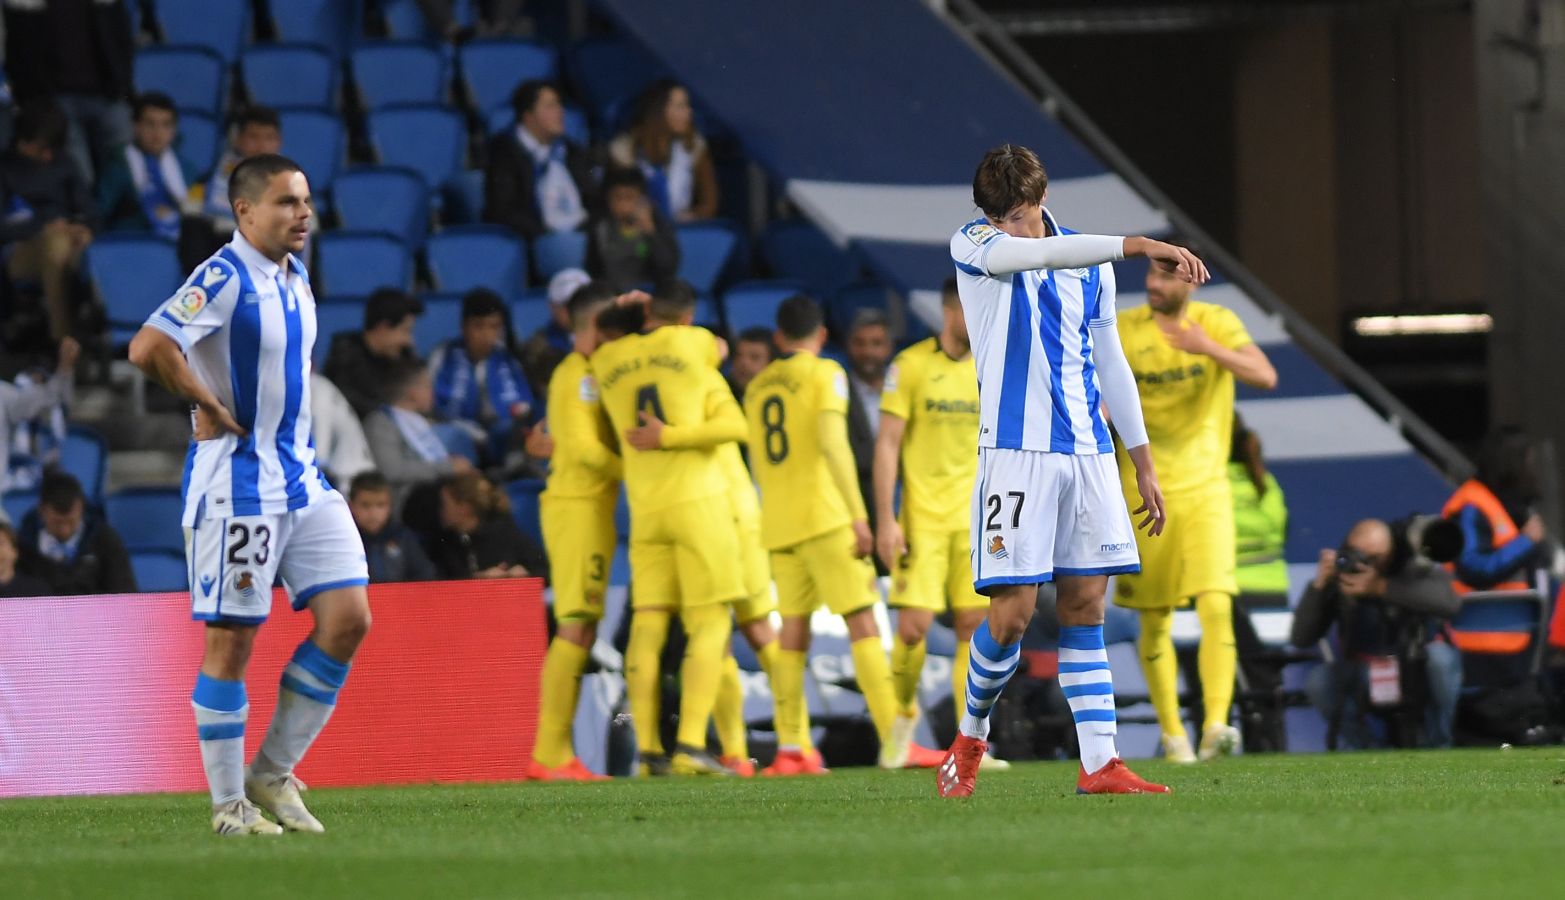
1116	778
957	775
794	762
739	765
922	757
573	770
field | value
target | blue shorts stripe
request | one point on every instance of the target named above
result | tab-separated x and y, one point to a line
325	698
1093	715
222	731
1076	668
983	584
302	599
1089	689
1126	569
226	619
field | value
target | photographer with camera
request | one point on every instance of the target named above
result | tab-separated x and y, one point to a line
1389	604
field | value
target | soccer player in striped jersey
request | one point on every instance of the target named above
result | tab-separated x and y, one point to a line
235	342
1039	305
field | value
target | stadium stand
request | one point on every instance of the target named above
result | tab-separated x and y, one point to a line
358	262
471	256
220	27
130	275
147	518
392	73
289	75
754	303
491	69
383	198
194	77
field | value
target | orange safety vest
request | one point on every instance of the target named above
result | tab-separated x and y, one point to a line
1503	530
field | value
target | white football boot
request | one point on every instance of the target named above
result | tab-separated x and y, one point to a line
279	795
240	817
1220	740
1176	749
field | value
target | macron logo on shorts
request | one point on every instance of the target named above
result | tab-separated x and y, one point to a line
1115	548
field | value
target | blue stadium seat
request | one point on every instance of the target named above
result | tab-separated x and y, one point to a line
383	198
200	140
220	27
705	250
404	20
471	256
558	250
529	312
524	506
847	303
159	570
314	139
458	442
503	118
707	313
358	262
132	275
289	75
193	77
431	140
17	504
492	68
333	315
464	198
749	304
611	71
86	455
797	249
441	321
389	73
329	24
147	518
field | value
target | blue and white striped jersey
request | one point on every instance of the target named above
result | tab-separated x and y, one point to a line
1037	386
247	326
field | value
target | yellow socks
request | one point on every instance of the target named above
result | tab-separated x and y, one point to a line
1218	657
643	656
873	673
707	629
728	714
1158	664
907	667
558	688
959	678
788	698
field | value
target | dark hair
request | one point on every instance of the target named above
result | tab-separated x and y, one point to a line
152	100
1009	176
478	492
1506	466
586	301
251	176
869	317
257	115
672	299
481	302
799	317
649	129
402	374
368	482
42	120
1245	448
624	176
621	320
526	95
949	295
60	491
756	334
389	306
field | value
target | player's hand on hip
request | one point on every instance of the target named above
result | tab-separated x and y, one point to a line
890	543
213	420
648	435
1181	262
1155	515
863	539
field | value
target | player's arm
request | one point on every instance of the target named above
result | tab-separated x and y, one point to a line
573	421
1006	255
1230	348
724	423
202	306
890	542
832	426
155	353
1118	384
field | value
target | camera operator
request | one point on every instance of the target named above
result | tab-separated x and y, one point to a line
1389	604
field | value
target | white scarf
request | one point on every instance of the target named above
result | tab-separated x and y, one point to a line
559	201
173	181
418	435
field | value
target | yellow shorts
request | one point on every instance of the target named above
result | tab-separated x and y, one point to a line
820	570
682	556
937	572
1194	554
578	535
758	601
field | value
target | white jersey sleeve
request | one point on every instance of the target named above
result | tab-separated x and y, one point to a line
203	305
979	248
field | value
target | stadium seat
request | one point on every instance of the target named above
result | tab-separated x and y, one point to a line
464	198
160	570
404	20
503	118
492	68
314	139
334	315
220	27
749	304
147	518
558	250
289	75
848	301
17	504
86	455
193	77
529	312
358	262
797	249
328	24
610	71
389	73
441	321
200	139
471	256
431	140
524	506
458	442
383	198
131	274
705	250
707	313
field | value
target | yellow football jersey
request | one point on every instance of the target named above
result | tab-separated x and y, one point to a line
585	462
799	499
747	508
657	373
937	397
1186	398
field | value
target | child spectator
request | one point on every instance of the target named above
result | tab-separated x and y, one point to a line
664	144
70	549
406	449
148	187
479	383
631	243
392	551
478	538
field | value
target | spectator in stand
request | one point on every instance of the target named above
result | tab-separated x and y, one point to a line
256	130
538	180
12	582
72	550
341	449
869	358
392	551
26	401
148	188
407	450
77	53
1389	620
479	382
48	212
1260	521
546	347
673	156
753	351
478	538
631	242
360	363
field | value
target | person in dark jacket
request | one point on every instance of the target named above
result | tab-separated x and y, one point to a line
869	359
478	537
392	551
361	363
630	242
1379	615
538	180
12	582
70	549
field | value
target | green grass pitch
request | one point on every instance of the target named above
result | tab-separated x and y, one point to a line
1451	824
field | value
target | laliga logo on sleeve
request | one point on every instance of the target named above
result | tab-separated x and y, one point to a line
997	547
